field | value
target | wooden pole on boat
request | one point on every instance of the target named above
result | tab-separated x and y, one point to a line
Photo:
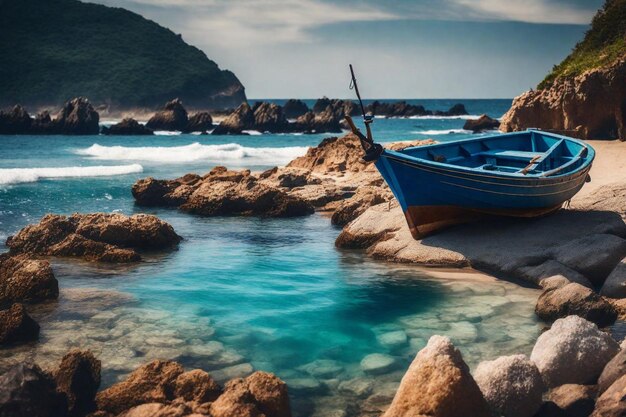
372	150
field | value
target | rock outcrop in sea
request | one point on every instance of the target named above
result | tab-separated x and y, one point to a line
95	237
172	117
26	280
481	124
128	127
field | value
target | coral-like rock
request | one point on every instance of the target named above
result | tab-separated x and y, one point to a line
196	385
23	279
78	377
438	384
16	326
573	351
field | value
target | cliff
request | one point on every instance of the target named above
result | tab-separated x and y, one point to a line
585	95
53	50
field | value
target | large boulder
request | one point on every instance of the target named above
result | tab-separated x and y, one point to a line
573	351
78	377
612	403
77	117
574	299
615	284
574	400
172	117
294	108
269	117
260	394
127	127
27	391
97	236
153	382
238	121
196	385
16	121
589	105
397	109
483	123
23	279
16	326
324	122
168	193
333	155
512	385
199	122
438	384
613	370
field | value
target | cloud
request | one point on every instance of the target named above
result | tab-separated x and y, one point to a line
529	11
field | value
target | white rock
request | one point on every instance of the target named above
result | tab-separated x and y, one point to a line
393	339
377	363
512	385
573	351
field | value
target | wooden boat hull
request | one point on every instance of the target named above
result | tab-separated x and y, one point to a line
436	195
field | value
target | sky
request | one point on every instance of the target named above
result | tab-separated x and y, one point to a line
400	48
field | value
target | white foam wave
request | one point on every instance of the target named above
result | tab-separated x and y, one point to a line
21	175
167	132
227	153
442	132
252	132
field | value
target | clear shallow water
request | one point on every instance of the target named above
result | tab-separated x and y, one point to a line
243	293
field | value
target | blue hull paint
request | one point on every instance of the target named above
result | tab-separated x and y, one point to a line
520	174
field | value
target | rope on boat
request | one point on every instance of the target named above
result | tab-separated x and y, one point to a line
372	149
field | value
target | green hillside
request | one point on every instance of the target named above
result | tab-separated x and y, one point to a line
52	50
604	42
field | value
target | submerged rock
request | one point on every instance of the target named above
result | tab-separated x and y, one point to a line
483	123
16	326
512	385
172	117
438	384
238	121
573	351
23	279
127	126
574	299
378	363
27	391
96	236
78	377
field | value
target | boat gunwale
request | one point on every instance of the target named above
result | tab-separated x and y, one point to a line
499	175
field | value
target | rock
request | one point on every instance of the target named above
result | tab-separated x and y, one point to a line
615	284
291	178
78	377
393	339
550	409
129	127
356	205
77	117
324	122
357	387
589	105
378	363
199	122
153	192
595	256
398	109
337	108
241	119
23	279
612	403
27	391
97	236
457	109
16	121
399	146
612	371
259	394
196	385
153	382
158	410
574	299
333	155
293	108
481	124
438	384
41	124
573	351
550	269
173	117
323	368
511	385
574	400
16	326
269	117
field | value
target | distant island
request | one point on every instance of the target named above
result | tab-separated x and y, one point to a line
54	50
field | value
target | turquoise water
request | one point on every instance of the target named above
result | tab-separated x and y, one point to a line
246	293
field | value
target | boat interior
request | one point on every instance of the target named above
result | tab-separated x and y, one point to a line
529	153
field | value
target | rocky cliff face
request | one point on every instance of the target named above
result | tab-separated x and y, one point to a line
589	106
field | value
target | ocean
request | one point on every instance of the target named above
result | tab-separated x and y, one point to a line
249	293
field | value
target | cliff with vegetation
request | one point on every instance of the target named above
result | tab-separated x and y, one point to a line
585	95
53	50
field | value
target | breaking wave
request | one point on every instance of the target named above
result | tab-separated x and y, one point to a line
231	152
21	175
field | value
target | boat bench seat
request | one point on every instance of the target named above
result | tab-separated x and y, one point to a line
515	155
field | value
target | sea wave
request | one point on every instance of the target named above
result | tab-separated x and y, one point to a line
442	132
231	152
22	175
461	117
